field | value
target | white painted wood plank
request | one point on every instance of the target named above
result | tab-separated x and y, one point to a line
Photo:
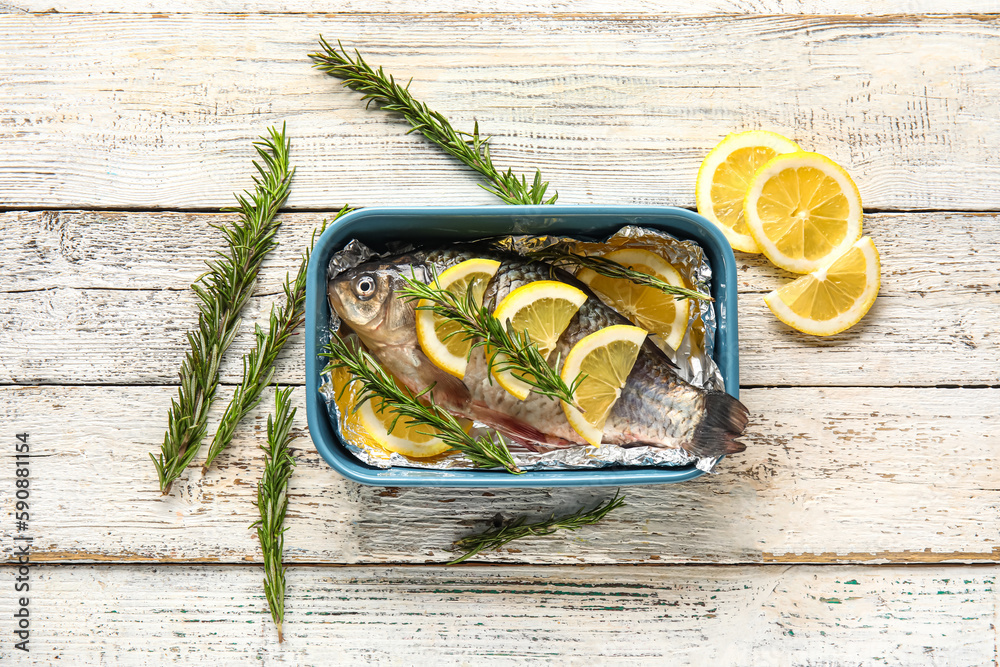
922	253
104	298
69	336
519	6
159	110
832	616
866	475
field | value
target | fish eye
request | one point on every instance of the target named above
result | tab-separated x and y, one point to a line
364	286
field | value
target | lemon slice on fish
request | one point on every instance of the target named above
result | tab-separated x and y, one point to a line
803	210
405	438
726	173
645	306
440	338
606	358
543	309
366	427
831	299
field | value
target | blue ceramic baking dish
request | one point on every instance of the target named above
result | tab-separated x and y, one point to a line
374	226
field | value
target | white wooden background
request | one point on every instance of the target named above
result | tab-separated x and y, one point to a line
859	527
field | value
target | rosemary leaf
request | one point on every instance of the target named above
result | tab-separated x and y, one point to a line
612	269
272	502
477	324
485	451
222	292
495	538
258	365
472	149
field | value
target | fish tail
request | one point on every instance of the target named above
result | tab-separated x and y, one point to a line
724	421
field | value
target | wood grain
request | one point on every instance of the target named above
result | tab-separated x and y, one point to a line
666	7
69	336
923	253
617	103
505	615
839	474
153	111
104	298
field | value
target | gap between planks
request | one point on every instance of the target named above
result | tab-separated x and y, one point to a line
108	561
323	210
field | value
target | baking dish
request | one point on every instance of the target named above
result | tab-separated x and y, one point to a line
376	226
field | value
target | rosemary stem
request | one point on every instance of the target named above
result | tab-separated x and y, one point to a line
517	529
471	148
272	503
258	365
612	269
222	292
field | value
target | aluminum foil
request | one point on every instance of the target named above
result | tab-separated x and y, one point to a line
693	358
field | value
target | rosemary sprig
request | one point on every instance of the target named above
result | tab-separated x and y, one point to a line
612	269
509	350
222	292
472	149
495	538
484	451
272	502
258	365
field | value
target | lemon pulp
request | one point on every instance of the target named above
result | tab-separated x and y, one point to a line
405	437
803	210
833	298
365	426
725	176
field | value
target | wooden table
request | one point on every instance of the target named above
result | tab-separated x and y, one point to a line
859	527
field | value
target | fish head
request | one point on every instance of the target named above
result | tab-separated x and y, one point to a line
367	299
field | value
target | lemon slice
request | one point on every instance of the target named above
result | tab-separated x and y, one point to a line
366	427
803	210
440	338
405	438
606	358
345	392
543	309
645	306
725	175
831	299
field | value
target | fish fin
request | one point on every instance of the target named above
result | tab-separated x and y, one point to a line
412	367
449	392
724	421
517	430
